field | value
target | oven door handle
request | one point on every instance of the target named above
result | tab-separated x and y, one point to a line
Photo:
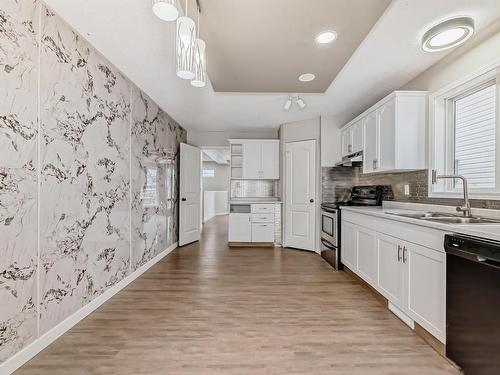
327	244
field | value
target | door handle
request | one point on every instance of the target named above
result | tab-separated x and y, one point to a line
183	199
399	253
311	200
404	254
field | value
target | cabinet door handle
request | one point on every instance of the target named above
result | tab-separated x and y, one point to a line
349	148
404	255
399	253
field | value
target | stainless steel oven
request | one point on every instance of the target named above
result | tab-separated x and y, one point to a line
329	225
330	250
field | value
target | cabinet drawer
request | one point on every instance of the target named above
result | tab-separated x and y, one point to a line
262	208
262	232
262	218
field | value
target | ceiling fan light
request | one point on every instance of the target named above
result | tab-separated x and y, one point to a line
448	34
200	64
165	10
185	47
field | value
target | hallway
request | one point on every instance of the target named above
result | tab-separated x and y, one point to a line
208	309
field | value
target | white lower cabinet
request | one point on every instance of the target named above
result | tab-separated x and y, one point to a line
426	288
240	227
412	277
367	258
348	252
390	271
262	232
254	224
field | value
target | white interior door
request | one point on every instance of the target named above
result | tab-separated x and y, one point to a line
300	194
190	188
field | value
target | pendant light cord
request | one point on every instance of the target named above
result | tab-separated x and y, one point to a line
198	27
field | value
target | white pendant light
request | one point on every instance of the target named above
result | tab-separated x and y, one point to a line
165	10
185	46
200	60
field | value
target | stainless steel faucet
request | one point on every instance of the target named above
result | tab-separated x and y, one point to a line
466	207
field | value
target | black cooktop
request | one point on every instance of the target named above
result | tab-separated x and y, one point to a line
371	195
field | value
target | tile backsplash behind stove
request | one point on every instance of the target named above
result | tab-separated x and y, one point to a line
337	182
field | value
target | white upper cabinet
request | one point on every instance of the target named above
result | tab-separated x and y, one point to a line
252	160
371	145
346	140
270	167
260	159
357	136
352	138
391	133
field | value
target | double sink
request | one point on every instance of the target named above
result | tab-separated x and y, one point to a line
446	218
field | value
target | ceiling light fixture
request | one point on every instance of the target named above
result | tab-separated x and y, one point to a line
165	10
301	103
297	99
307	77
325	37
185	46
448	34
288	104
200	59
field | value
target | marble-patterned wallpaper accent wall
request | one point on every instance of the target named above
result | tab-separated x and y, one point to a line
155	154
18	174
84	177
101	200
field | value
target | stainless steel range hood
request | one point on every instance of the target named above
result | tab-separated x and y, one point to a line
353	160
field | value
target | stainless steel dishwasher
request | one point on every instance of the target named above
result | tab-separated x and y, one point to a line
473	304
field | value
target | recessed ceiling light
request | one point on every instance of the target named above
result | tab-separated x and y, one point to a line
448	34
306	77
325	37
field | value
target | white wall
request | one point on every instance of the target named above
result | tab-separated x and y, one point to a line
482	52
216	191
302	131
222	177
214	139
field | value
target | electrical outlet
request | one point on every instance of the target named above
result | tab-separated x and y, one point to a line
407	189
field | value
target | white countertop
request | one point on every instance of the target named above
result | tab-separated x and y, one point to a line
254	200
489	231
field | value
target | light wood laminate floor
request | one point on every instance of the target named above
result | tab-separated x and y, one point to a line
208	309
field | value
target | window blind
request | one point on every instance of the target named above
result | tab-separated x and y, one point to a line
475	128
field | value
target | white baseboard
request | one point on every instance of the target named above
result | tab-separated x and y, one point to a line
401	315
24	355
221	213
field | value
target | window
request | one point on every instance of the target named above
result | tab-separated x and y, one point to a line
474	129
208	173
464	132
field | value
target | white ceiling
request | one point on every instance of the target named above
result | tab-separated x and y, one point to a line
218	155
258	51
142	47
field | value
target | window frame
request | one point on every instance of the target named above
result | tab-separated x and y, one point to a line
442	132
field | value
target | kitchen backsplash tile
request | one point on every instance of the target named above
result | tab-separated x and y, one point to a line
337	181
254	188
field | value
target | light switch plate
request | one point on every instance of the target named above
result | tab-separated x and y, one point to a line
407	189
